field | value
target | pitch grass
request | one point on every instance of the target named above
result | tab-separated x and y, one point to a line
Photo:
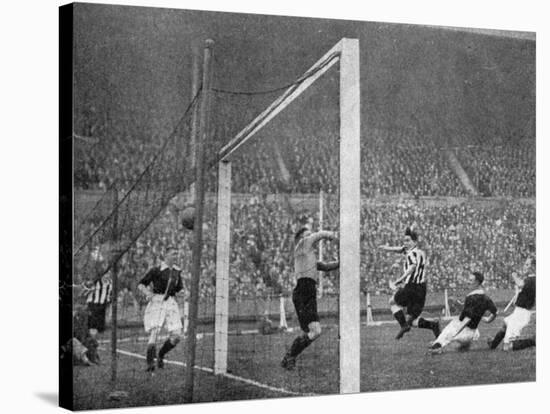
386	364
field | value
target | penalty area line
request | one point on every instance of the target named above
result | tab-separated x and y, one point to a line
230	376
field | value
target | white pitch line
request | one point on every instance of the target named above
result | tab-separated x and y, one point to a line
390	322
199	336
231	376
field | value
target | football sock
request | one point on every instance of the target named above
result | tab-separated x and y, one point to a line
151	352
400	317
426	324
92	346
497	339
166	347
523	343
299	344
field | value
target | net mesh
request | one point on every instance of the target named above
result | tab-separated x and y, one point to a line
126	230
277	177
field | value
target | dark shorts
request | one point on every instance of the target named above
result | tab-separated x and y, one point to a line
412	297
96	317
304	298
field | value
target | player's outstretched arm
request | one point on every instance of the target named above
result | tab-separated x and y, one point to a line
490	318
323	235
327	266
492	308
391	249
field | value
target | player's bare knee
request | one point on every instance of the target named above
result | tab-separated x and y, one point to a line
395	308
507	346
314	330
175	338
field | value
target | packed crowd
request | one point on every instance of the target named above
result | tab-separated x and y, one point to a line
494	238
393	162
501	170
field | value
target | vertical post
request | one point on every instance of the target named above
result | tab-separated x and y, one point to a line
321	212
447	309
222	267
282	313
114	308
185	316
195	87
114	290
350	209
197	240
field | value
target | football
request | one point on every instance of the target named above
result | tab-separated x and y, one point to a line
188	218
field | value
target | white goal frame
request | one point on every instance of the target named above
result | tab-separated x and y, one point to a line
346	52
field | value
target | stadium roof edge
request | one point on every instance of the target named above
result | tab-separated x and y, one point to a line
491	32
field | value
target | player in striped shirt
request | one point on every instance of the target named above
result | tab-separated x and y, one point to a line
98	296
411	295
304	296
520	318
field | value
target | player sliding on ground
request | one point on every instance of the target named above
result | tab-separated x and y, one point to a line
304	295
463	329
519	319
165	282
412	295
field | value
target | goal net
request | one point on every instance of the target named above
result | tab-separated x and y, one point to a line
120	232
291	166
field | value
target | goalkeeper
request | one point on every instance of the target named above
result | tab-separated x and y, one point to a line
304	295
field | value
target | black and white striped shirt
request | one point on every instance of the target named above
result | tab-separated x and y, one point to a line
100	293
415	257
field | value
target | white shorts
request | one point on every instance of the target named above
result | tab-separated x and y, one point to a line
160	311
515	323
463	338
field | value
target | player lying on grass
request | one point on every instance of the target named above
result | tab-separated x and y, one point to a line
519	319
412	295
304	295
463	329
159	286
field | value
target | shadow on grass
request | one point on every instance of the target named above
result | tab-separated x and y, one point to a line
49	397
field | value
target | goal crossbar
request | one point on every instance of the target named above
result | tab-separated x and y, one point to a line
289	95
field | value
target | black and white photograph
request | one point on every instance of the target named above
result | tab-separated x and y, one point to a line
264	206
292	206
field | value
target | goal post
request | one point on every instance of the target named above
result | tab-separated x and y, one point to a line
346	52
350	208
222	267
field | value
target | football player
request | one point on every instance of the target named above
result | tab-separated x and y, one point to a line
159	286
411	296
463	329
304	295
519	319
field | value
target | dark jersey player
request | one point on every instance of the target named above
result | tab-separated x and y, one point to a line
463	329
304	295
411	296
519	319
159	286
